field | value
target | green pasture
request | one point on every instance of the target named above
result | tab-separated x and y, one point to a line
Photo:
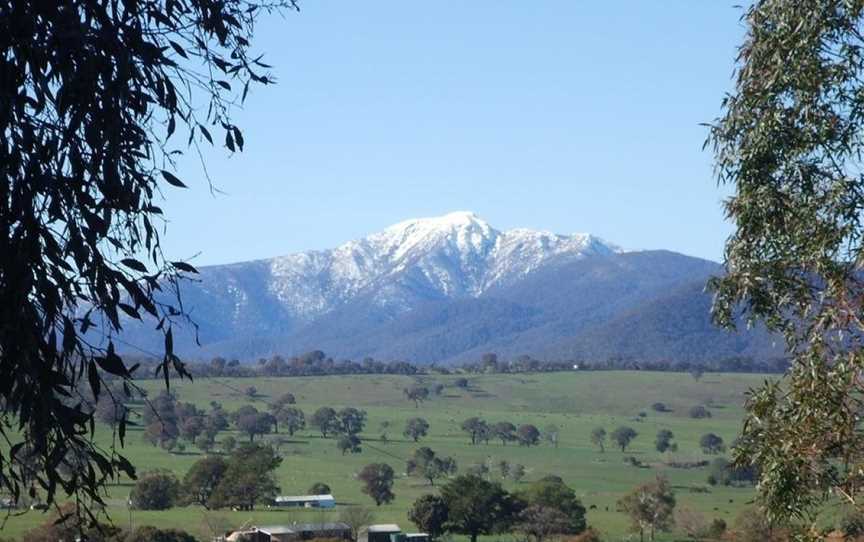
576	402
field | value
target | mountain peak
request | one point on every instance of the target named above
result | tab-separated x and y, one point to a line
449	221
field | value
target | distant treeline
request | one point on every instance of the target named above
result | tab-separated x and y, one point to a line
317	363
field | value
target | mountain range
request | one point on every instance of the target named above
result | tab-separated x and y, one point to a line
449	288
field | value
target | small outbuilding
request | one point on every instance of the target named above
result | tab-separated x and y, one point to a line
295	532
387	532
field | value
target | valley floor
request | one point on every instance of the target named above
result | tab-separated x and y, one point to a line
576	402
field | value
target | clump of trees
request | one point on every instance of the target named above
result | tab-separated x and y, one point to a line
426	464
167	420
722	472
472	506
241	481
526	434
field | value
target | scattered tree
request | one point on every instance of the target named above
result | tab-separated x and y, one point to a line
348	443
505	431
111	411
650	507
350	421
356	517
325	420
665	441
551	434
416	428
623	436
416	393
528	435
476	428
598	438
699	412
291	418
711	444
377	481
259	423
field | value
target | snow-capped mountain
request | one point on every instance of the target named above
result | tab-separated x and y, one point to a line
447	288
455	255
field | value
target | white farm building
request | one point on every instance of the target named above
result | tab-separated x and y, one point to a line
306	501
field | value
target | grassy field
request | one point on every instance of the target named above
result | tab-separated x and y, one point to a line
576	402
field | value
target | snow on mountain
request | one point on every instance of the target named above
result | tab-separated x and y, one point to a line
448	288
450	256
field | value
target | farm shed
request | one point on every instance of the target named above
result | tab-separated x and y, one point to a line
388	532
295	532
305	501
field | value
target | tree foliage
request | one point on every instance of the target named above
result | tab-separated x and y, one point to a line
377	481
789	141
202	479
155	491
650	507
416	428
92	92
598	438
475	506
623	436
248	479
553	508
429	513
424	462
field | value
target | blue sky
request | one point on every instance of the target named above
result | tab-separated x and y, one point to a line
559	115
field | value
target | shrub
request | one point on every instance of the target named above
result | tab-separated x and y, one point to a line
156	490
852	524
152	534
319	488
699	412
